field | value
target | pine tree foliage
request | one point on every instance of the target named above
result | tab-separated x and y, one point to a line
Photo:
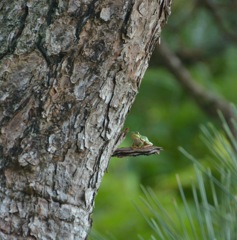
212	213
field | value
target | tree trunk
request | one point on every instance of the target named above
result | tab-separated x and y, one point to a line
70	71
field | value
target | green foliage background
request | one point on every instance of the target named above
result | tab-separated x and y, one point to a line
167	115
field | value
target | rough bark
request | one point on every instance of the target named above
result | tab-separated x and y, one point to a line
134	152
70	71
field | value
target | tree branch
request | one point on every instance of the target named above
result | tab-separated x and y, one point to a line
214	10
134	152
207	101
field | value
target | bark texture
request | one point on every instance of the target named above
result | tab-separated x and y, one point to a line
70	71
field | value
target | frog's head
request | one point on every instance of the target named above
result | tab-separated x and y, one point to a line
135	135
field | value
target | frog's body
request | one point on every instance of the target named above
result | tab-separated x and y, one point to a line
140	141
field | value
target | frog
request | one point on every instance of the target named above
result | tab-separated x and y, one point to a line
140	141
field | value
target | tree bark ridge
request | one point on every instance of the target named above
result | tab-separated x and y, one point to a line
70	71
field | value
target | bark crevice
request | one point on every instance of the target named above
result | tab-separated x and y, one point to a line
84	18
64	94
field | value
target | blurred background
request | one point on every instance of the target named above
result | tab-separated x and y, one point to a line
191	75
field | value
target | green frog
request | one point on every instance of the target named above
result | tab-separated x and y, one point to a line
140	141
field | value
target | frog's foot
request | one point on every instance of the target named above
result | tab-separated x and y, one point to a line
147	145
136	147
